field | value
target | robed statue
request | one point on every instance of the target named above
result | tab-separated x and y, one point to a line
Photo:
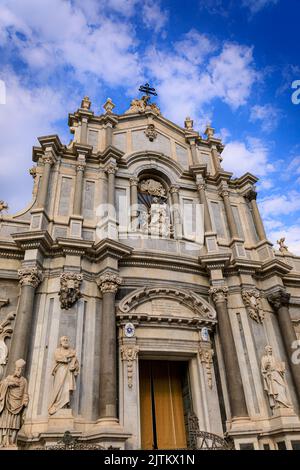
64	372
273	373
13	399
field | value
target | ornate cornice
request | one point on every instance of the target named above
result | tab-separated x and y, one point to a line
30	277
279	298
109	283
219	294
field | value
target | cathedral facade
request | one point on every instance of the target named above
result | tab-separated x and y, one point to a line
143	297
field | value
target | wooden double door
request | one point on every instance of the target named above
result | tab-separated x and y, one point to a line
162	404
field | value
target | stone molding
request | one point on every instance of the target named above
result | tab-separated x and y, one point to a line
69	289
30	277
219	294
279	299
252	302
109	283
129	353
192	301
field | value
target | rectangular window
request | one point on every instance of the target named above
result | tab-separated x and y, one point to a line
218	219
247	446
88	200
65	192
281	445
237	219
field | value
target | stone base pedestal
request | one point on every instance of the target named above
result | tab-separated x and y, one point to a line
108	433
62	420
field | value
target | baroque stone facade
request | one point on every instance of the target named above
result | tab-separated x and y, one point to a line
142	252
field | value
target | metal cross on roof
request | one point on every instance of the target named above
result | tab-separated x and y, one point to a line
148	90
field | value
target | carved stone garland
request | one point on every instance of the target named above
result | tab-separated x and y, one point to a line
129	354
252	301
152	187
206	358
69	289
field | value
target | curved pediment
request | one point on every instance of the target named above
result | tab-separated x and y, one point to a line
149	160
167	301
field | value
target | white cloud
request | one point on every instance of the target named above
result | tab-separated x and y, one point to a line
280	204
249	156
195	47
291	234
154	17
268	115
257	5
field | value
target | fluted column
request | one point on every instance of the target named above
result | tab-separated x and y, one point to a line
174	190
233	375
224	193
280	303
29	280
207	220
48	160
251	197
77	206
108	284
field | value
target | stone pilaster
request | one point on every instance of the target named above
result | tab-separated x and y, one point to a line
174	190
108	284
224	193
251	197
207	220
111	170
29	279
234	380
84	130
48	161
134	201
279	300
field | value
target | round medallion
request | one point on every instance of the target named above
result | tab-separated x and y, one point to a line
129	330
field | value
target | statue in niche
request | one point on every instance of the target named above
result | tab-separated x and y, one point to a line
6	330
275	385
65	371
13	399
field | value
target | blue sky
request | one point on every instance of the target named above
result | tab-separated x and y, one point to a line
225	61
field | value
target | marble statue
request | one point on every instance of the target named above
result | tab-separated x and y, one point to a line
13	399
273	373
65	371
282	246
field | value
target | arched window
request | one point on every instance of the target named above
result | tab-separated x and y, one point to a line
154	209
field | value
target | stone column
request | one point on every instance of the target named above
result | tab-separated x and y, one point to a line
207	220
29	280
174	190
111	170
84	130
233	375
109	134
134	201
251	197
194	151
216	159
80	166
224	193
108	284
48	160
280	303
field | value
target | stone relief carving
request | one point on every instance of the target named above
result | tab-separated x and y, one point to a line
187	298
150	132
64	373
109	282
273	373
219	294
206	358
141	105
129	354
6	331
252	301
13	399
69	289
155	188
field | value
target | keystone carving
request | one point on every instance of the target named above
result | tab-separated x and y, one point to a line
150	132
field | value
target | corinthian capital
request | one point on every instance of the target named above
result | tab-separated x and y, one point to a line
134	181
219	294
278	299
111	168
30	277
109	282
48	158
251	195
174	189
